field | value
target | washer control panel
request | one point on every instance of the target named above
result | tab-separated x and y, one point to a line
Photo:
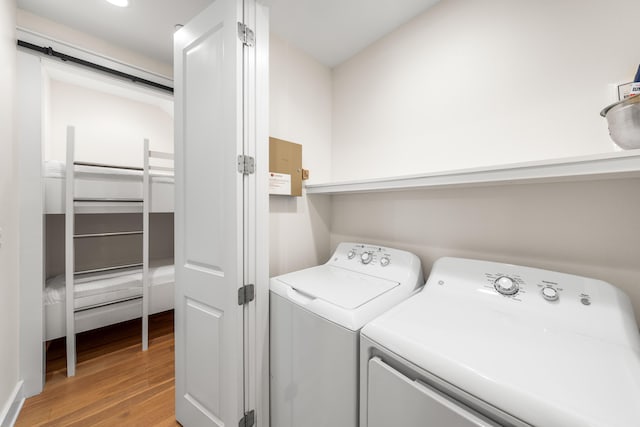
368	254
379	261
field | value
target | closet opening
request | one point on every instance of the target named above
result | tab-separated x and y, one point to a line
107	151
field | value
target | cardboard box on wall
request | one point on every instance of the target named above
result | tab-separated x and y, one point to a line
285	167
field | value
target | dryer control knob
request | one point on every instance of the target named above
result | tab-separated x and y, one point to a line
351	254
506	285
384	261
550	294
366	257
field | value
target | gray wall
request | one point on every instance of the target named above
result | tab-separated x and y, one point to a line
107	251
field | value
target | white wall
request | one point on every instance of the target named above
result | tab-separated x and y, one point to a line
9	362
29	132
109	129
29	21
480	83
586	228
300	112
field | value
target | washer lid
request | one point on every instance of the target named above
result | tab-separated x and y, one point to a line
337	286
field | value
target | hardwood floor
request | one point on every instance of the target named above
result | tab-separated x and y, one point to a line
116	384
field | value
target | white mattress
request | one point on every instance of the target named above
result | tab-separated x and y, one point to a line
97	289
98	183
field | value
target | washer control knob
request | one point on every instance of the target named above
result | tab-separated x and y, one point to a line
351	254
506	285
366	257
384	261
550	294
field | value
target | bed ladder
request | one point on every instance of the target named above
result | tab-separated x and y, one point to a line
147	195
71	236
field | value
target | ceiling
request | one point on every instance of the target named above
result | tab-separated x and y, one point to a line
331	31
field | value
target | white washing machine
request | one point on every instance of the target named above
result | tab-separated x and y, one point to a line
486	344
316	316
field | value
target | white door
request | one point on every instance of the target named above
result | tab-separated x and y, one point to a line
209	248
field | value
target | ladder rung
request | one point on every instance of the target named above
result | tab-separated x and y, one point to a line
117	233
160	155
104	269
107	200
161	168
118	301
104	165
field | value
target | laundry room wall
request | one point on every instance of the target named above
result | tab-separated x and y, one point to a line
109	128
9	222
482	83
56	31
588	228
300	112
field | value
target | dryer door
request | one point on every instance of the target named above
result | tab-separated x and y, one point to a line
395	400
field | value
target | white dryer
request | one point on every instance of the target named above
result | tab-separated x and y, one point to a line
487	344
316	316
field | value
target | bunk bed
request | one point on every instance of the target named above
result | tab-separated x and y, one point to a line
104	298
93	179
82	300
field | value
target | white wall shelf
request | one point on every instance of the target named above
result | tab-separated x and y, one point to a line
625	164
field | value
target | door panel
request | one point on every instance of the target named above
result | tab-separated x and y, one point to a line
209	218
205	174
202	348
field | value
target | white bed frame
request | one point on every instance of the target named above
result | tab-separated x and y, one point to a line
91	180
160	299
99	192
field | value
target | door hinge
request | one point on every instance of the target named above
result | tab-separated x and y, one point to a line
246	294
246	164
246	35
248	420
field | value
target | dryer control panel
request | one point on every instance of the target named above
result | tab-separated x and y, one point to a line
533	296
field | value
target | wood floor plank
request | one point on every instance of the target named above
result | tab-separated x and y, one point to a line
116	383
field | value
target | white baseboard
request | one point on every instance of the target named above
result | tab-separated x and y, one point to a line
12	407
